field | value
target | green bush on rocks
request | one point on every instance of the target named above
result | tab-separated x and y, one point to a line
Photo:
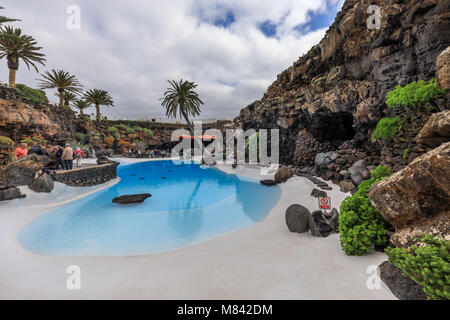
386	129
31	95
428	264
413	94
360	224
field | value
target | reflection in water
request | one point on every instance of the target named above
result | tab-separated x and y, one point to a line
183	218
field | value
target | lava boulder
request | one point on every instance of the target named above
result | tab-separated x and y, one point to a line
132	199
297	218
42	184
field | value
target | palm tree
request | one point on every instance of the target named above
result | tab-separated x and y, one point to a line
62	81
15	46
5	19
68	97
81	104
99	98
183	100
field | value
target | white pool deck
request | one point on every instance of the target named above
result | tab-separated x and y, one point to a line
264	261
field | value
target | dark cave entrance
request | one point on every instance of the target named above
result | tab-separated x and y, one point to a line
334	128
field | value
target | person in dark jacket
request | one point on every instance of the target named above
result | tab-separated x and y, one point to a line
59	161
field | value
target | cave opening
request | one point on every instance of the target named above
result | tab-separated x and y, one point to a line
332	127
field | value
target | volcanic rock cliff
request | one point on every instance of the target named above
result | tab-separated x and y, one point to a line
336	92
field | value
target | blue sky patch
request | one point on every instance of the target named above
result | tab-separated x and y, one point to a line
319	20
268	28
226	20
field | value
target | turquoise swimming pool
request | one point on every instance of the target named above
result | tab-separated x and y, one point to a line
189	205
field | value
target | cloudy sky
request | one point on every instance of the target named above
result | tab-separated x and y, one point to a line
233	49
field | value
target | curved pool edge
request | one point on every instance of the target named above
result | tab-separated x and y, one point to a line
246	174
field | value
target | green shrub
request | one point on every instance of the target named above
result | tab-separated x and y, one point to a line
82	137
428	264
114	132
31	95
6	141
386	129
126	128
360	224
413	94
148	132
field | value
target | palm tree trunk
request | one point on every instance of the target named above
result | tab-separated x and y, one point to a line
61	97
12	78
97	107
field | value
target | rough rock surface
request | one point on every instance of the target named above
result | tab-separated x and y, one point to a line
22	171
10	192
416	199
87	177
283	174
337	90
443	69
297	218
346	186
319	224
318	193
132	199
402	287
359	172
436	131
43	184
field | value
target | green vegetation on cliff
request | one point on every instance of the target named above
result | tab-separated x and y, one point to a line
414	94
386	129
428	264
360	224
30	95
6	141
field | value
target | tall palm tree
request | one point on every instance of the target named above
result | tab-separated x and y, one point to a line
16	46
5	19
80	104
62	81
183	100
98	98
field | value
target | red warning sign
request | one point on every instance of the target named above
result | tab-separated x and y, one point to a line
325	203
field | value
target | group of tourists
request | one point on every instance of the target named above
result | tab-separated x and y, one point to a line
65	156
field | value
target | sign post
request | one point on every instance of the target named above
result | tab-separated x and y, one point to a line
325	203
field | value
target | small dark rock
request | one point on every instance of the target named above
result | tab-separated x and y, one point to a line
318	194
132	199
268	182
319	225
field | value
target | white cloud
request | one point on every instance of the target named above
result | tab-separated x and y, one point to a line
131	48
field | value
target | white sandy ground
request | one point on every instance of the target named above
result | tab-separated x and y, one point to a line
264	261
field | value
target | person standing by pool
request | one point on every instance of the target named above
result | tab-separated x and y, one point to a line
59	161
21	151
78	156
67	157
